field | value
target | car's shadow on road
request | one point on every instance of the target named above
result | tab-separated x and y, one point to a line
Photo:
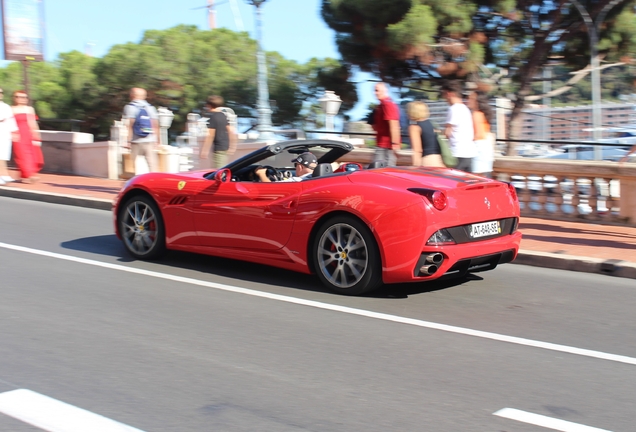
110	245
404	290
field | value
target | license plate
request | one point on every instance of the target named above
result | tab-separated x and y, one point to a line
485	229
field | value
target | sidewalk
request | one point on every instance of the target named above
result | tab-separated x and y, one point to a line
576	246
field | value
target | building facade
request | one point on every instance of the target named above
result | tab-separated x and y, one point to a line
570	123
573	123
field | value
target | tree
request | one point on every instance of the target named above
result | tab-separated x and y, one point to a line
414	40
404	40
83	93
179	67
316	76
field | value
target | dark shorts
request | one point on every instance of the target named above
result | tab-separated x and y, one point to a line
464	164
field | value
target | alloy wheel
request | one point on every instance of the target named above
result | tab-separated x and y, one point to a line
139	228
342	255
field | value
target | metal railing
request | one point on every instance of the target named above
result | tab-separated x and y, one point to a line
297	133
606	142
74	124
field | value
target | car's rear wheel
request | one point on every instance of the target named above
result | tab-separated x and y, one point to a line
141	228
346	257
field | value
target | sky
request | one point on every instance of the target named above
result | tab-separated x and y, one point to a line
294	28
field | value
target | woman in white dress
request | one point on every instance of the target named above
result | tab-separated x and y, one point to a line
482	164
7	128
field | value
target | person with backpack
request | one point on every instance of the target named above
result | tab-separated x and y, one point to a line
143	129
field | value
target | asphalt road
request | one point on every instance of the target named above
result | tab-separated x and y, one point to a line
193	343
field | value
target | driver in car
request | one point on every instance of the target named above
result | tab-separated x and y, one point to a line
305	164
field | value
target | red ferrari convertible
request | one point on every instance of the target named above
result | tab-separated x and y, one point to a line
355	227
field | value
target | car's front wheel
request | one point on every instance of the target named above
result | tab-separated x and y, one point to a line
141	228
346	257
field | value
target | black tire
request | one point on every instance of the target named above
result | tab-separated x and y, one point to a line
345	256
141	228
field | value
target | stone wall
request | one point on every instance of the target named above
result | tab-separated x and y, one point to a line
76	153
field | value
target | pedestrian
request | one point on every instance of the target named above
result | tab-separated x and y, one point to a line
8	132
484	139
27	143
143	129
221	137
459	127
628	154
404	123
426	149
386	123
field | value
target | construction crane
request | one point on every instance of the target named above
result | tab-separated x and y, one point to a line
212	13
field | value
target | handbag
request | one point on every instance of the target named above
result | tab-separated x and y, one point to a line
449	160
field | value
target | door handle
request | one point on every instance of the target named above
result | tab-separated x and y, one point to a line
288	204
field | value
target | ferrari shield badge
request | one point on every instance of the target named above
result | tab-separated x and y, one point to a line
181	185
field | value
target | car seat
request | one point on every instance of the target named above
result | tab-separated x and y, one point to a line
322	169
377	164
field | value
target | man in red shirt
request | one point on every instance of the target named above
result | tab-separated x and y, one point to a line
386	123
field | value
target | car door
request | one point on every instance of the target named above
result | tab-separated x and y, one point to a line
246	215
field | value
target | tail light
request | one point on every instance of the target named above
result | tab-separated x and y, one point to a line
513	191
435	197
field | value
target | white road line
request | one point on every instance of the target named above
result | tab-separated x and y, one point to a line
546	422
55	416
348	310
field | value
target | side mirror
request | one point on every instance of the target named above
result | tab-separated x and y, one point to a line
223	175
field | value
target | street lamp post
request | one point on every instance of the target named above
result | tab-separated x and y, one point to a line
330	104
593	30
264	111
165	121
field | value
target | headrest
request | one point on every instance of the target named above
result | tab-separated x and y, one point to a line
322	169
377	164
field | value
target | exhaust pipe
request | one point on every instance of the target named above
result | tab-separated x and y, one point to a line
428	269
435	258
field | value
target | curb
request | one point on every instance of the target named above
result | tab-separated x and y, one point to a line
611	267
615	268
55	198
